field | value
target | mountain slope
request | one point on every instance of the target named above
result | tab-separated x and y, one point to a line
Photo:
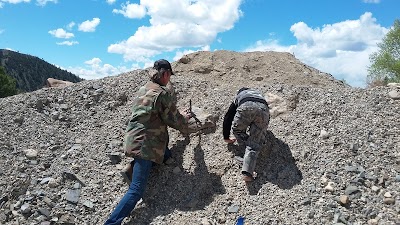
31	72
332	157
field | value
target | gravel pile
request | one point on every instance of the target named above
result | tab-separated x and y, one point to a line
333	155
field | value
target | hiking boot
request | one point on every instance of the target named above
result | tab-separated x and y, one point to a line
249	178
126	173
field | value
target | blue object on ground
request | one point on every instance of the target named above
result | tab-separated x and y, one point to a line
240	221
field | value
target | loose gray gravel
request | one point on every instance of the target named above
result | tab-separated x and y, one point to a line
333	155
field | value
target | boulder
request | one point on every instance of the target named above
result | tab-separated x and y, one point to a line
51	82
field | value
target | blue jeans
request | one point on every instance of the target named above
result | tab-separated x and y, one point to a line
140	175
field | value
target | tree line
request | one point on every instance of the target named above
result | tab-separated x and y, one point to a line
8	85
27	73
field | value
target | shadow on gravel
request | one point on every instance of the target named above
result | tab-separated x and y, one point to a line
169	190
275	164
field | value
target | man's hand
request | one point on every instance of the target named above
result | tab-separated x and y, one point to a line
230	140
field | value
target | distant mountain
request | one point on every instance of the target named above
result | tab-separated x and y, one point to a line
32	72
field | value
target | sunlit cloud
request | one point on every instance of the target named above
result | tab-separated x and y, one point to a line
341	49
38	2
110	2
89	25
132	11
70	25
187	24
14	1
61	33
44	2
96	69
69	43
179	54
372	1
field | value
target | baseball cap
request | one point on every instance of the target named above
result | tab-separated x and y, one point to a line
162	63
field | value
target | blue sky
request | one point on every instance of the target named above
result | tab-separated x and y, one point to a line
98	38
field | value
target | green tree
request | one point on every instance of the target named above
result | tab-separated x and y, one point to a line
8	85
385	64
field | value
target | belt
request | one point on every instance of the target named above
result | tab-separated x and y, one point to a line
252	99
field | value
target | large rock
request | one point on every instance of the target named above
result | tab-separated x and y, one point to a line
200	121
51	82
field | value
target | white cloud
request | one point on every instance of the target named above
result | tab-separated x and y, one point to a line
89	26
61	33
44	2
96	69
38	2
69	43
179	54
110	1
177	24
372	1
15	1
132	11
94	61
341	49
70	25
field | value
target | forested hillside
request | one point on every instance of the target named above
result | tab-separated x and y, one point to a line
31	72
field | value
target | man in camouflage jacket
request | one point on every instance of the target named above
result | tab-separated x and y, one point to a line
146	139
249	111
147	135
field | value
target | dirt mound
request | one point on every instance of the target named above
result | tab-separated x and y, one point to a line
253	68
333	154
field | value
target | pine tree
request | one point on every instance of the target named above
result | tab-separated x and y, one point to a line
8	85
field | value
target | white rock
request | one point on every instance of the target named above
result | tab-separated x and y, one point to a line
375	188
394	94
324	180
53	183
372	222
324	134
395	85
329	187
387	195
31	153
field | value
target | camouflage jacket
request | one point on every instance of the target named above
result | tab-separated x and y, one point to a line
153	110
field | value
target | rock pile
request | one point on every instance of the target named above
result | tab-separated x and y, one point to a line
333	155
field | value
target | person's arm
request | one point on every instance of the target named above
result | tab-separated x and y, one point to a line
169	113
230	114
